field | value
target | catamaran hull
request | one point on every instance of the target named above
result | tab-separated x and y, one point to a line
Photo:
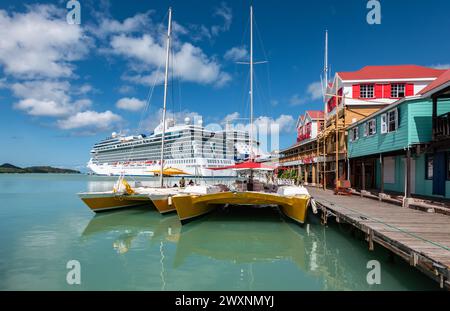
192	206
99	202
189	207
163	203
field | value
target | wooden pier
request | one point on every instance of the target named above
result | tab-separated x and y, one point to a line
420	238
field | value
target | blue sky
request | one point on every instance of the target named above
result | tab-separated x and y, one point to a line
64	87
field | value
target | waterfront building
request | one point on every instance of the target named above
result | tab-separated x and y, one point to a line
303	156
405	147
349	98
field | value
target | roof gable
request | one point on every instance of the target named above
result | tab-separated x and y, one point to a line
436	84
391	72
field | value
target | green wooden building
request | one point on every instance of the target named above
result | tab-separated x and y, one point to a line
395	149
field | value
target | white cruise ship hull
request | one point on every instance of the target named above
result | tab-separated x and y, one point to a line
147	170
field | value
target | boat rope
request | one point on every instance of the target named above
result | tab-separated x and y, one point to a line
390	226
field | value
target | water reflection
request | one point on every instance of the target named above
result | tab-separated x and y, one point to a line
127	225
254	241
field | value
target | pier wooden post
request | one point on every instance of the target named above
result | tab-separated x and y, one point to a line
313	175
408	173
363	172
434	116
306	175
381	175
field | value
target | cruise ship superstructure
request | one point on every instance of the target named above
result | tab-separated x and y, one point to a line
189	147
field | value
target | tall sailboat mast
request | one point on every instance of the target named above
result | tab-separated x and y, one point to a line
325	71
251	83
166	78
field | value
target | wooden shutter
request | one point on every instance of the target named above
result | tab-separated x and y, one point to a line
378	91
409	89
383	123
356	91
387	91
396	118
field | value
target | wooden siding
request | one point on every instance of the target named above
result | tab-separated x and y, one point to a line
381	142
415	126
357	113
420	121
399	184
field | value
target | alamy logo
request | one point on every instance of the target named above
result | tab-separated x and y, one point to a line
374	15
73	277
74	15
374	275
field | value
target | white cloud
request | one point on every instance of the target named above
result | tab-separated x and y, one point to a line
132	104
295	100
315	90
189	62
231	117
284	122
37	107
126	89
39	42
441	66
46	98
108	26
199	32
226	13
90	119
155	119
236	54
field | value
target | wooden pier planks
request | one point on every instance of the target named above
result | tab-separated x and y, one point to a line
422	239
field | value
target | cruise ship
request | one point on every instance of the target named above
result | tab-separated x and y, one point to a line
189	147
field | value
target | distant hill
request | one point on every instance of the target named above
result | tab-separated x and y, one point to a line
9	168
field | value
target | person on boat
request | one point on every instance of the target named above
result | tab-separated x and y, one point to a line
182	182
175	186
191	182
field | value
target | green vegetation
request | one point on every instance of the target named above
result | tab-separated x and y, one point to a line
12	169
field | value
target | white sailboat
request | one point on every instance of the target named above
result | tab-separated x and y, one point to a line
293	201
123	195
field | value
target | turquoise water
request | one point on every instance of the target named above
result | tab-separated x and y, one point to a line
43	225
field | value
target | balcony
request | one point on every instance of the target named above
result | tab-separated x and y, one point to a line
441	129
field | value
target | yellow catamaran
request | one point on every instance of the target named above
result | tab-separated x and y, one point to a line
293	201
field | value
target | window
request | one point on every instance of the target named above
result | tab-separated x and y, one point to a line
392	120
389	121
429	166
354	134
397	90
366	91
370	128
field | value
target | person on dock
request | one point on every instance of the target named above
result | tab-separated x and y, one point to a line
182	182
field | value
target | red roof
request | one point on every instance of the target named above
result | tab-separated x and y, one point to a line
391	72
315	114
443	78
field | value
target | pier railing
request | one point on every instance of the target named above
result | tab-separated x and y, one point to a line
442	127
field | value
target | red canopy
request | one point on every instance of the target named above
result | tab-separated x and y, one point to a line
249	165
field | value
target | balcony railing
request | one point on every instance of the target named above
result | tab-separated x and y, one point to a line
442	127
